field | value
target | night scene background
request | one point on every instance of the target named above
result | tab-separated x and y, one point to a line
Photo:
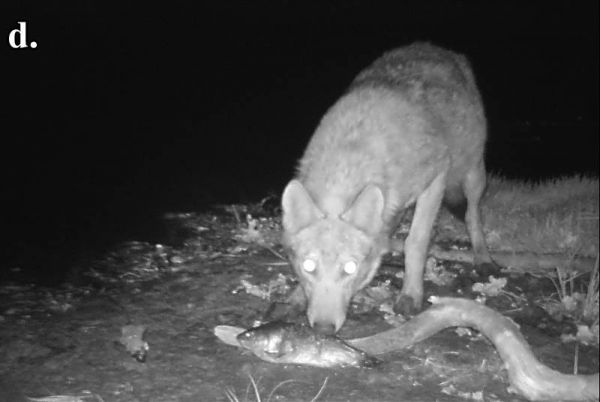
125	112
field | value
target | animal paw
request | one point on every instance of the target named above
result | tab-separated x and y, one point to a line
407	305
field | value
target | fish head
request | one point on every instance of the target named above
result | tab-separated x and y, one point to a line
333	254
265	340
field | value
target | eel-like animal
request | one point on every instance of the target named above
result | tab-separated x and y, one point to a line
527	375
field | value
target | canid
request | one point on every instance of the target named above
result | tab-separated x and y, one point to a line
410	129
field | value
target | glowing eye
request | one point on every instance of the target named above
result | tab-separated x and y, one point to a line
309	265
350	267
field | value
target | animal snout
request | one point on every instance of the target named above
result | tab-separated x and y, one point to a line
327	324
327	305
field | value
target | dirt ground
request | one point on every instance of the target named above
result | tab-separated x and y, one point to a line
68	340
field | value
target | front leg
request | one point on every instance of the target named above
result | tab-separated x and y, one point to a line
415	247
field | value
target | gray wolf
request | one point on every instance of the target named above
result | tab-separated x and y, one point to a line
410	129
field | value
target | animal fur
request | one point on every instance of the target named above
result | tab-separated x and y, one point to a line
410	129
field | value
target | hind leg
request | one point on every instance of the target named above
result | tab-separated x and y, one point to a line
474	185
397	245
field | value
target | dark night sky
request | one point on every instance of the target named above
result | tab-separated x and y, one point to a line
125	111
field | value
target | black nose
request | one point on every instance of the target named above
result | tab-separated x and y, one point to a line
325	328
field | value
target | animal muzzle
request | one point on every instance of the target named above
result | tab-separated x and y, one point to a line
327	306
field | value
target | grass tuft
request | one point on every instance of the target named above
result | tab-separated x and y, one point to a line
232	397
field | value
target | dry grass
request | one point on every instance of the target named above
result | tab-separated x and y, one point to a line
576	299
550	217
253	387
590	305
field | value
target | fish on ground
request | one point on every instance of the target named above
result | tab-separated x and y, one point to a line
279	342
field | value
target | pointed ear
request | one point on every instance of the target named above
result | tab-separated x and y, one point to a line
366	212
299	209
